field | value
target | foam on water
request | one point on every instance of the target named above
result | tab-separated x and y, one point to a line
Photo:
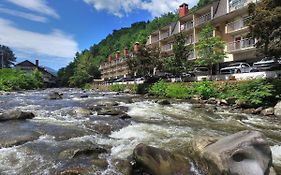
276	154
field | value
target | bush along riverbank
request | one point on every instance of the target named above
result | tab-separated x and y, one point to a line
14	80
259	96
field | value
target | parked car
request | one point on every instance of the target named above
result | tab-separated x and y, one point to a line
266	64
236	68
200	71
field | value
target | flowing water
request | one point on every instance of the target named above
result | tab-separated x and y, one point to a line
51	140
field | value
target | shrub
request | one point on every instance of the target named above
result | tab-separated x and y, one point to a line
158	88
117	87
206	89
178	91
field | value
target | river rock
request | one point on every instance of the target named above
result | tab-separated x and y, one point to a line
55	96
212	101
107	103
231	100
241	103
277	110
82	112
157	161
109	111
164	102
243	153
123	166
268	111
84	96
16	115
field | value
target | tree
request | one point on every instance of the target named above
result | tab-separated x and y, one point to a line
8	56
210	48
145	61
265	26
178	62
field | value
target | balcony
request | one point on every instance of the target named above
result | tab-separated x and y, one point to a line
237	4
187	26
165	35
238	25
189	40
154	39
203	19
167	47
240	45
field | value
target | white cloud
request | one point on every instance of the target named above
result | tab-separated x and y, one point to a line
24	15
55	44
39	6
123	7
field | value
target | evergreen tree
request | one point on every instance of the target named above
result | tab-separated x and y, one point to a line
8	56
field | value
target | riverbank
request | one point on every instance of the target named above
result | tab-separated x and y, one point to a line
254	96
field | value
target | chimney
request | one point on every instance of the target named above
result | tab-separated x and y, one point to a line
37	63
126	52
136	47
109	58
183	10
117	55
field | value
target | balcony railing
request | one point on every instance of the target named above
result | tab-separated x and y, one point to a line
241	45
154	39
189	40
167	47
238	25
165	35
203	19
187	26
237	4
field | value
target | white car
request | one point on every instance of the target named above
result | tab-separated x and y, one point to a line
236	68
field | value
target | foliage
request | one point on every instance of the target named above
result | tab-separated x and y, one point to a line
12	80
210	48
8	56
178	62
265	26
117	87
145	61
206	89
178	90
159	88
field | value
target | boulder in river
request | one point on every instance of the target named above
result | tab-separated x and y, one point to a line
54	96
277	110
164	102
268	111
110	111
157	161
16	115
107	103
243	153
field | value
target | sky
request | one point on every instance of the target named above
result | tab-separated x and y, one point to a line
52	31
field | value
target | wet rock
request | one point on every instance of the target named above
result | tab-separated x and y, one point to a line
16	115
110	111
250	111
84	96
241	103
101	128
82	112
268	111
198	106
17	138
124	116
277	110
197	97
72	153
157	161
212	101
127	91
101	163
164	102
123	166
231	100
74	171
223	102
107	103
243	153
54	96
258	110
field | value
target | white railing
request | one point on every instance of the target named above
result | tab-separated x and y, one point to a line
237	4
203	19
238	24
241	44
167	47
187	26
189	40
165	35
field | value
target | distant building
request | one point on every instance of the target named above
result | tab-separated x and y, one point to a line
229	18
29	67
117	68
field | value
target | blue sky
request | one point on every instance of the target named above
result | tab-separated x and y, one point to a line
54	30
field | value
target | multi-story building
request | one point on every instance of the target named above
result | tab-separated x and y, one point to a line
229	18
117	68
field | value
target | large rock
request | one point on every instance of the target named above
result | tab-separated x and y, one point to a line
277	110
164	102
107	103
16	115
268	111
110	111
54	96
156	161
243	153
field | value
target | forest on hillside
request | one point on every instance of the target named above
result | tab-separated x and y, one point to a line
84	67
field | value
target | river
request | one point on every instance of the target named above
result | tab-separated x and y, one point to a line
62	132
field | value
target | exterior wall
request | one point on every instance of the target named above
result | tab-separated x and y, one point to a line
115	69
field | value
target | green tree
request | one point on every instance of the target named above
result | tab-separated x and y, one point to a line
178	62
145	61
265	26
210	48
8	56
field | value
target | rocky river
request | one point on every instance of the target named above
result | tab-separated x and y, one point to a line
87	132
